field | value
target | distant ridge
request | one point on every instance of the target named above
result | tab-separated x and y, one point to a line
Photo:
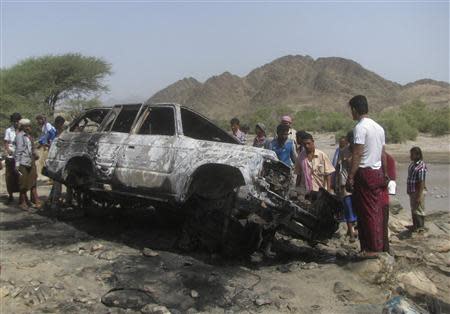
298	81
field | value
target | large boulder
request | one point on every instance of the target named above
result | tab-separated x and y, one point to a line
397	225
374	270
416	283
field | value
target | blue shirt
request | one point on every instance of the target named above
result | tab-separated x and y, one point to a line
285	153
48	134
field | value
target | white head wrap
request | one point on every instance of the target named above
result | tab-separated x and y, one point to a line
24	122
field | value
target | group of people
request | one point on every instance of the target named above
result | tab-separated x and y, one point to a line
21	155
362	174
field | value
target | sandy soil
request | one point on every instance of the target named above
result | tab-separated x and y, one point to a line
123	261
77	264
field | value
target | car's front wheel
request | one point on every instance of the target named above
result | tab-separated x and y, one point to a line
211	224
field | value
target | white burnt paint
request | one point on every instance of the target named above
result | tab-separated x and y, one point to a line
148	162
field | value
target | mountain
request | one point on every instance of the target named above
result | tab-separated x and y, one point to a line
435	93
298	81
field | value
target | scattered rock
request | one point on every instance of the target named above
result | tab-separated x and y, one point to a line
58	286
310	266
416	283
445	270
405	253
163	266
29	264
109	255
374	270
194	294
256	258
283	292
262	300
127	299
395	206
397	225
442	246
149	252
347	294
434	259
315	307
401	305
35	283
155	309
97	247
80	300
4	292
283	268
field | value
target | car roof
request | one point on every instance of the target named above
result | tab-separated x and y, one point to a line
171	104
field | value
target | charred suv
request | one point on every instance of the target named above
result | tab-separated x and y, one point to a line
171	157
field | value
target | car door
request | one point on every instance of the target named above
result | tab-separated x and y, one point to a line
108	144
148	156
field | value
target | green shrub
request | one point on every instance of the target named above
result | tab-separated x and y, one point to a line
416	113
396	127
440	123
335	121
307	120
400	124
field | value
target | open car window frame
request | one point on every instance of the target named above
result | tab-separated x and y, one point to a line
84	115
116	110
228	138
146	111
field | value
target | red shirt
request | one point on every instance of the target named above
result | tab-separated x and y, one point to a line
391	171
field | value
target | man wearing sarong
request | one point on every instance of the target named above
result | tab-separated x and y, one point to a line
25	156
11	178
367	178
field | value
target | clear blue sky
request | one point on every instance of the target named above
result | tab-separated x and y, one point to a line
151	45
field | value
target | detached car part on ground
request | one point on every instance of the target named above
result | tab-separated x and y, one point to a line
171	157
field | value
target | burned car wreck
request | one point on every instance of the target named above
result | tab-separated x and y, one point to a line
172	158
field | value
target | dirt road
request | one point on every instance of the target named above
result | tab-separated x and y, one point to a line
121	263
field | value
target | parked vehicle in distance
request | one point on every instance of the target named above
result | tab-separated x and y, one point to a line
169	156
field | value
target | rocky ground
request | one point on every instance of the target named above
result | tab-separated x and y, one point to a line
128	262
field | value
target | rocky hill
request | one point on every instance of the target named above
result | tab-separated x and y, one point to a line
298	81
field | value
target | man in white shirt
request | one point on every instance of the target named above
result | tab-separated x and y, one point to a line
11	178
367	178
